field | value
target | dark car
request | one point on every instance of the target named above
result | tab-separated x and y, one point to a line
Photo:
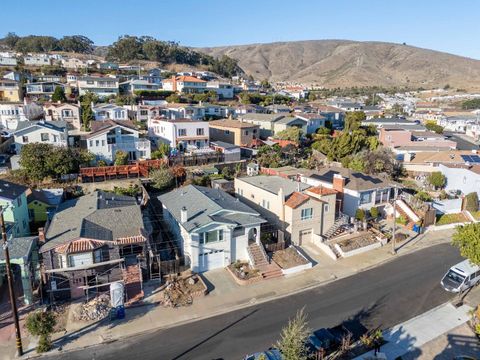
322	339
271	354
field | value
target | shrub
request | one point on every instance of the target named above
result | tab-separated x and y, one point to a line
437	179
42	324
472	202
423	195
401	220
360	214
374	212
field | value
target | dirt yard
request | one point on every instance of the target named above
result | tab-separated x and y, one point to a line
288	258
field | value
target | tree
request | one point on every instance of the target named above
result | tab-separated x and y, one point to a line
437	180
86	106
293	338
11	39
162	178
360	214
76	43
472	202
292	133
472	104
41	323
174	98
432	126
374	212
121	158
467	239
227	172
59	94
353	120
324	131
33	158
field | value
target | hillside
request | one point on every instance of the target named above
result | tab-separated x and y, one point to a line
343	63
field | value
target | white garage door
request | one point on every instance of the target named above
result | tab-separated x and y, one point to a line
305	236
210	260
81	259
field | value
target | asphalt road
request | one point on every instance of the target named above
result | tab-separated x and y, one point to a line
462	144
380	297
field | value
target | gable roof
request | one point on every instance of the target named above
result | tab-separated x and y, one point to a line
205	205
354	180
19	247
10	190
51	197
102	126
296	199
23	126
230	123
274	183
261	117
97	216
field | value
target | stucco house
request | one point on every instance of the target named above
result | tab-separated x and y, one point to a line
70	113
109	136
184	134
233	132
45	132
212	228
297	210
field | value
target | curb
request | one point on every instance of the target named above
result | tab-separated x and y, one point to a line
244	305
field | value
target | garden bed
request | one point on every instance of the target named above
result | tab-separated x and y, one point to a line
446	219
180	291
358	242
243	273
289	258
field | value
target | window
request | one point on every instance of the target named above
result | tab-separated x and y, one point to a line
19	201
182	132
98	255
44	136
365	197
25	139
103	142
240	192
97	142
200	132
90	143
266	204
306	214
211	236
326	208
227	132
246	132
143	112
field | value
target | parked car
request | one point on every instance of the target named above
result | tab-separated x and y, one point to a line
6	134
461	277
270	354
321	339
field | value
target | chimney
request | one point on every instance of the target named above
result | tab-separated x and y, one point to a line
183	215
338	182
41	235
174	83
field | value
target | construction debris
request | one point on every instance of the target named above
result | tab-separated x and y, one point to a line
95	309
176	294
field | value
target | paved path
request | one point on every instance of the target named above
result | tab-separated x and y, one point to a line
380	297
410	336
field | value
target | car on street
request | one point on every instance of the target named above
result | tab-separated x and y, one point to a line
270	354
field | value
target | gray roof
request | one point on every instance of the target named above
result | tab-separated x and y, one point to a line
354	180
293	120
205	205
261	117
99	215
20	247
54	125
274	183
392	120
414	127
224	144
10	190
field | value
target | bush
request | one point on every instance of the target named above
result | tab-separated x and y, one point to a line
162	179
360	214
401	220
437	179
472	202
423	195
42	324
374	212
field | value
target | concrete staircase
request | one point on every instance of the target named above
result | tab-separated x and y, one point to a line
132	278
338	227
260	261
410	222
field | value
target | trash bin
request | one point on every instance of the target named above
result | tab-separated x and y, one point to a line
113	314
120	312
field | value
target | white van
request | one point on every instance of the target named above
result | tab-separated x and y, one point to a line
462	276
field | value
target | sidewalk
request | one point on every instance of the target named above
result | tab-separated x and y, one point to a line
409	337
225	295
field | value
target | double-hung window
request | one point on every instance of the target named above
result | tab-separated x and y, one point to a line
211	236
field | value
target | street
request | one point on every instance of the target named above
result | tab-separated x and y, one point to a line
380	297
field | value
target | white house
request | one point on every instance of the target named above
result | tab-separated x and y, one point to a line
473	130
184	134
42	89
109	136
11	114
308	123
46	132
457	123
211	227
133	85
464	178
37	60
223	90
102	86
109	112
185	84
74	63
8	61
70	113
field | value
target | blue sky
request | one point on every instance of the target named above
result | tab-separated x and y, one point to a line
450	26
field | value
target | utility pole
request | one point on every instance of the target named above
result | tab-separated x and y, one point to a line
13	299
394	228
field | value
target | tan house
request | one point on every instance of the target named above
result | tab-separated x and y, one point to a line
9	90
234	132
300	211
70	113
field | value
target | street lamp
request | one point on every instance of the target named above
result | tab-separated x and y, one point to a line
13	301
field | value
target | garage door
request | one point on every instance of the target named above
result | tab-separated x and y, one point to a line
81	259
305	236
211	260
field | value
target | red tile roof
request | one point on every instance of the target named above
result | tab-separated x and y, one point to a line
185	79
130	240
80	245
296	199
320	190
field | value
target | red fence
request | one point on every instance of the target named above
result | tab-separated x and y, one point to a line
139	169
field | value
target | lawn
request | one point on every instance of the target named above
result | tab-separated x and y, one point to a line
451	219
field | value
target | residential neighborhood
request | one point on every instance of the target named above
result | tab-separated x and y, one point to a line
287	200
